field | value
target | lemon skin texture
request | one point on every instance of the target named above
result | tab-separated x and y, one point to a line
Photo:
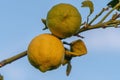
63	20
45	52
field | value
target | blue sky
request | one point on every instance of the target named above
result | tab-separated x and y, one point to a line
20	21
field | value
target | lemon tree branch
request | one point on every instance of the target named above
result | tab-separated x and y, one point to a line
11	59
100	13
109	12
110	23
101	24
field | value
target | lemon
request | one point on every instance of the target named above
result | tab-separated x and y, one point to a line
46	52
63	20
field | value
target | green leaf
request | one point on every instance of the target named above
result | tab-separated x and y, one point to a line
89	4
113	3
44	22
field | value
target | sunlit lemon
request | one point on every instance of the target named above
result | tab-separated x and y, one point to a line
46	52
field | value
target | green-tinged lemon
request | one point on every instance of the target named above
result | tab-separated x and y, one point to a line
63	20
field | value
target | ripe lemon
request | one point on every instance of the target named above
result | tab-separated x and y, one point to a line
63	20
45	52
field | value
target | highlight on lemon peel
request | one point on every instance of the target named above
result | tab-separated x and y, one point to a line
63	20
45	52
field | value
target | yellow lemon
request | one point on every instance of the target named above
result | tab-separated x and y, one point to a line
46	52
63	20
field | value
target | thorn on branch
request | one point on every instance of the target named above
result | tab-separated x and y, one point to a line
79	36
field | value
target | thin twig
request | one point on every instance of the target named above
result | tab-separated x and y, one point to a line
109	12
104	9
11	59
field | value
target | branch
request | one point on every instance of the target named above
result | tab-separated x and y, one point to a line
110	12
109	23
104	9
101	24
14	58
